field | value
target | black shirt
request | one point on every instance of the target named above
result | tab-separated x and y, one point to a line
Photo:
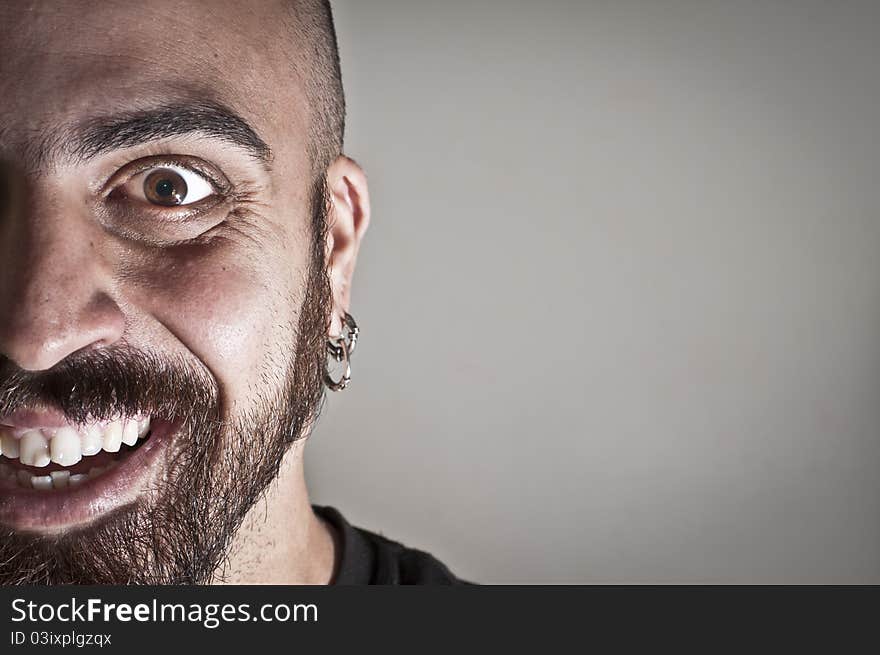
366	558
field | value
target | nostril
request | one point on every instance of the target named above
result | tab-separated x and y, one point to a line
44	334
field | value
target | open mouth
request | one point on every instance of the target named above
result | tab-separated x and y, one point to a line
49	459
60	475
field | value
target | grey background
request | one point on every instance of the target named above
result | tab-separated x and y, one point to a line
621	294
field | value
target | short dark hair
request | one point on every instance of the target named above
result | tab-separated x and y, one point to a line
320	74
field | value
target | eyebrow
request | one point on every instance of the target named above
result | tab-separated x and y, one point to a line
100	135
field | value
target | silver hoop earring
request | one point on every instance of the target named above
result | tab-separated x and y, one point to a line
340	349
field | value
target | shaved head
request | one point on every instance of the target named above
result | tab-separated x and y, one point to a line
318	56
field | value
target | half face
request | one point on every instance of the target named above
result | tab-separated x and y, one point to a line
163	301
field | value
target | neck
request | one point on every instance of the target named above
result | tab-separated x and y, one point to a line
281	540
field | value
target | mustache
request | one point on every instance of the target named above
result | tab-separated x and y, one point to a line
106	383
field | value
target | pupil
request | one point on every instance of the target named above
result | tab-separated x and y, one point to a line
165	188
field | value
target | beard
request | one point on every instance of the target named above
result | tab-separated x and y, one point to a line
218	466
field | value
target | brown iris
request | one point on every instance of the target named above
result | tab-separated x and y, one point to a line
165	187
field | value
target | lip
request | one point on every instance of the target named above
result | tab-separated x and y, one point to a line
35	418
61	509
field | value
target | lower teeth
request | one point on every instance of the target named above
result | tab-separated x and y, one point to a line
11	477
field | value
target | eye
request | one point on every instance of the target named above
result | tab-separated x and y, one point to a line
169	186
162	198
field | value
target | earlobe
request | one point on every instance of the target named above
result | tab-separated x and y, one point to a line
348	221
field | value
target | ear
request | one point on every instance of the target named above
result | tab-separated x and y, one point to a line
348	220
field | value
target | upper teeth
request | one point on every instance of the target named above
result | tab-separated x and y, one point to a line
66	446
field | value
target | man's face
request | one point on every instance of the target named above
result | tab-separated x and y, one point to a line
160	283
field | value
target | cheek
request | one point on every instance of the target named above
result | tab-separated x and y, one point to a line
229	311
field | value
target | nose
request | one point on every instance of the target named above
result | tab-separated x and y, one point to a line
55	285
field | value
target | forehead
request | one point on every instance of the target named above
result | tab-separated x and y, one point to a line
68	59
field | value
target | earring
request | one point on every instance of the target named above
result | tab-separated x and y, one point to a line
340	349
